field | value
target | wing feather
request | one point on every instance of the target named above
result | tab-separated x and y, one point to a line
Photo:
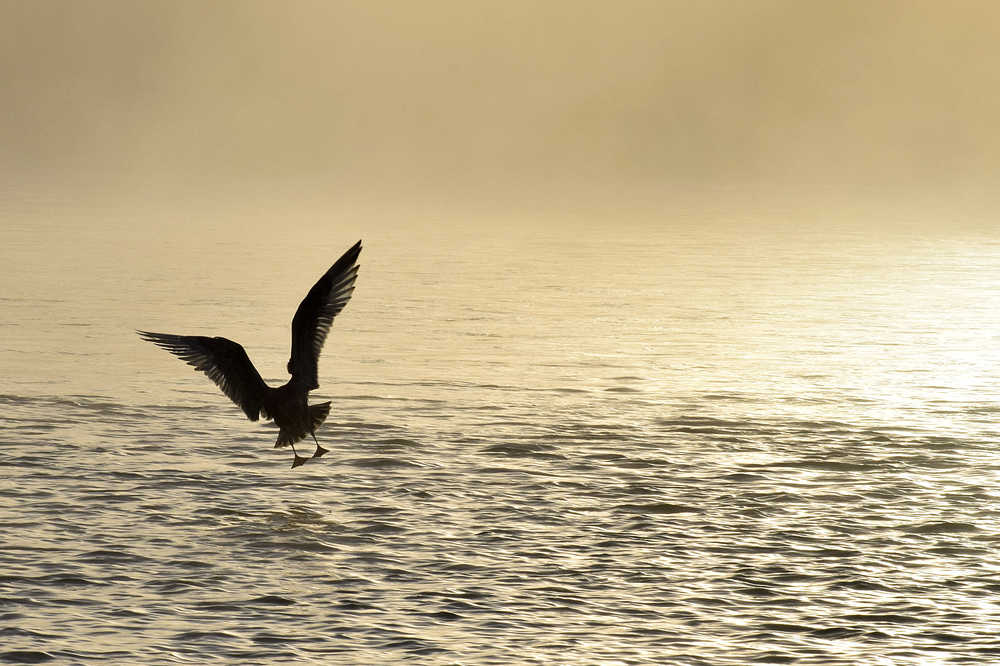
315	314
225	362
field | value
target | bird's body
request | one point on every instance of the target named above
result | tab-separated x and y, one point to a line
227	363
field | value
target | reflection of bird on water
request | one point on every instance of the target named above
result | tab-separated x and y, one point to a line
227	363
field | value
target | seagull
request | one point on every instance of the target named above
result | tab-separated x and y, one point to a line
226	362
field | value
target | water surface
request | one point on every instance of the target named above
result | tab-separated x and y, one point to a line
614	444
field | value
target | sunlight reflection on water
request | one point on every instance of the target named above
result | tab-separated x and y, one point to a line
545	447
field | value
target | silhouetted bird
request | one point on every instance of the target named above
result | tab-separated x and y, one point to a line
227	363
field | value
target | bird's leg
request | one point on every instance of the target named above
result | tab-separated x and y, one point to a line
319	449
298	460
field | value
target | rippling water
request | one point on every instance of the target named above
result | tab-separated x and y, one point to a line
628	446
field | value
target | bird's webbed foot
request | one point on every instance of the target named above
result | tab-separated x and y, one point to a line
297	460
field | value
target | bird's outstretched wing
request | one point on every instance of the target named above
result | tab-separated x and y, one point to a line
224	361
315	315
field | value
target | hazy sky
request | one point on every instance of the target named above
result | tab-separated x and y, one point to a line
496	101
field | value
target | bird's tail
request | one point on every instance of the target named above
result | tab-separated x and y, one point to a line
317	414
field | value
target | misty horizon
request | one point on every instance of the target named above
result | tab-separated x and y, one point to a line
639	103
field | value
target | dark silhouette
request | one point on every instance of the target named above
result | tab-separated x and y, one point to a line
227	363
